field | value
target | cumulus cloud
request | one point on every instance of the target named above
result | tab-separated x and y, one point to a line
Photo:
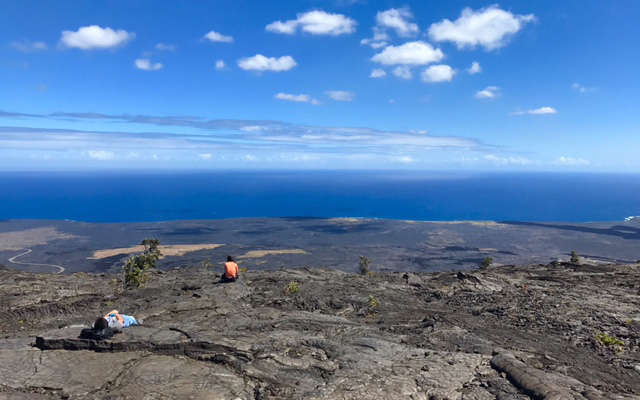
262	63
220	64
571	161
26	46
205	156
507	160
411	53
377	73
95	37
398	20
146	65
300	98
403	71
543	110
475	68
490	92
218	37
489	27
316	23
340	95
378	40
101	155
438	73
166	47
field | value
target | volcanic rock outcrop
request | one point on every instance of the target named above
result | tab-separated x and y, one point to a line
541	332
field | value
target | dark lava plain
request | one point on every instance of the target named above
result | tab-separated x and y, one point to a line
392	245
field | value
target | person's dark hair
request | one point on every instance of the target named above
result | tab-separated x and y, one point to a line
229	258
100	323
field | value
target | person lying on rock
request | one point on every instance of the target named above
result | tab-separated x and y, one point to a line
230	271
116	321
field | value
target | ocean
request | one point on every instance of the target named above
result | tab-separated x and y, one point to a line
428	196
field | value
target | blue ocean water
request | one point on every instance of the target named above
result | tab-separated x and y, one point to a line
432	196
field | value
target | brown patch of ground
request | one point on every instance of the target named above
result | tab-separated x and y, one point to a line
17	240
166	250
262	253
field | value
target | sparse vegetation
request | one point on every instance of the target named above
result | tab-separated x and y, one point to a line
575	258
206	263
374	305
364	265
372	274
486	263
136	267
292	288
609	341
242	270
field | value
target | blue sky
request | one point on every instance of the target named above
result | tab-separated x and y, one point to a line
546	85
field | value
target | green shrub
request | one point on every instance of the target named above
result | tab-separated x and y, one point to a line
372	274
606	340
575	258
486	263
136	267
242	270
292	288
364	265
374	305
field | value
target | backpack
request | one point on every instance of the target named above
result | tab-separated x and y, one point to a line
96	334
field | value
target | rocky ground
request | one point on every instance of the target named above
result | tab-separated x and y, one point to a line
543	332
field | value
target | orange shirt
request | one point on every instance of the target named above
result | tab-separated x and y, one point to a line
230	269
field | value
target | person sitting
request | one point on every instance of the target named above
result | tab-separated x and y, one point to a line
230	271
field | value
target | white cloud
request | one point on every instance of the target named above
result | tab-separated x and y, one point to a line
571	161
543	110
252	128
488	27
101	155
300	98
582	89
475	68
95	37
403	71
205	156
507	160
490	92
377	73
262	63
411	53
147	65
166	47
438	73
378	40
316	23
218	37
25	46
249	157
340	95
398	20
220	64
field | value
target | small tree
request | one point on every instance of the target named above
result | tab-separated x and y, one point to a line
575	258
364	265
136	267
486	263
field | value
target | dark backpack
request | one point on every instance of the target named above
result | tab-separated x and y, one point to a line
96	334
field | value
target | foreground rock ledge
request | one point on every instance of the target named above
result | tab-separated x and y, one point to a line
542	332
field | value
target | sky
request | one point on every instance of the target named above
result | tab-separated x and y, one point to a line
541	85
